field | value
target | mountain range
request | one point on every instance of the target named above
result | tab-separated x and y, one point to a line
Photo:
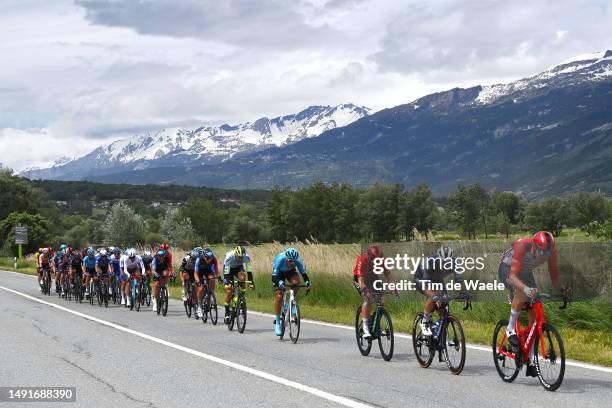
549	133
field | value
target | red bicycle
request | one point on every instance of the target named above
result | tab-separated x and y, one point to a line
549	353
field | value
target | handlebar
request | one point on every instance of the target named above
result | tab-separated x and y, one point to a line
546	296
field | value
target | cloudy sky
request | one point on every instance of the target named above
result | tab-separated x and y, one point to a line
76	74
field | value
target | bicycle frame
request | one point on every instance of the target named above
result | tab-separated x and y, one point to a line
526	335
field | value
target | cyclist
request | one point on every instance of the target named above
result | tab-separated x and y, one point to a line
63	267
236	263
166	247
38	268
46	263
284	268
147	260
437	268
365	276
89	269
187	270
132	266
103	268
516	271
59	255
161	266
76	264
206	269
116	265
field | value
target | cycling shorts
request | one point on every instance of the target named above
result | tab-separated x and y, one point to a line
285	276
228	277
525	276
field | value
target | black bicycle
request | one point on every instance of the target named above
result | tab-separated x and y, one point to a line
162	296
116	289
77	288
102	292
381	329
191	304
67	287
145	294
238	307
447	337
209	306
46	285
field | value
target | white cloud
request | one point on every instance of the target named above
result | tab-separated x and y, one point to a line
99	70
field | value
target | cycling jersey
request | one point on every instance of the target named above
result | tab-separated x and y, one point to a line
76	262
160	266
282	271
232	265
365	269
103	263
203	268
115	264
89	262
132	265
147	260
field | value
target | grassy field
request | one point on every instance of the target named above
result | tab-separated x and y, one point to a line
586	326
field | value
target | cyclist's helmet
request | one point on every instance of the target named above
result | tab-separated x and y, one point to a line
45	250
164	247
445	252
116	251
63	247
131	253
196	252
147	253
103	252
239	251
291	254
208	253
544	241
161	252
90	252
374	251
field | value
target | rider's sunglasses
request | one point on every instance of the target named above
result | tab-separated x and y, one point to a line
290	261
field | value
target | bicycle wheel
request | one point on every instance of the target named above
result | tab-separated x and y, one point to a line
68	289
423	346
92	288
105	295
385	336
505	356
294	322
100	294
159	303
187	305
454	345
364	345
139	298
164	297
213	309
241	314
230	325
550	359
147	294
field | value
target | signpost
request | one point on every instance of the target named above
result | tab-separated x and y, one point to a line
21	238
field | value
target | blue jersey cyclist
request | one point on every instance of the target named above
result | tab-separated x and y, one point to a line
89	268
286	267
236	263
205	272
103	267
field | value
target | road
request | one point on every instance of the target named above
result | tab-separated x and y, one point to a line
115	357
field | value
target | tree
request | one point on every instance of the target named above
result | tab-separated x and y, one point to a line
549	215
587	207
507	206
38	231
178	229
379	212
206	220
419	210
246	225
17	195
123	227
465	210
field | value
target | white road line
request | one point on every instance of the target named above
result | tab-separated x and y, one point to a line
407	336
262	374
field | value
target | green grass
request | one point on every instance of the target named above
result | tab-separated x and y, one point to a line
586	327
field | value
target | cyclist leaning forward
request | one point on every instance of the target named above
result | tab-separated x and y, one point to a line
516	271
284	268
363	280
132	267
205	271
89	269
437	268
236	263
161	266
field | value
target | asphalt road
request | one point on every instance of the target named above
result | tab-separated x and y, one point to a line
120	358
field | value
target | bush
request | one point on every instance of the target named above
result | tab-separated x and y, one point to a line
38	232
123	227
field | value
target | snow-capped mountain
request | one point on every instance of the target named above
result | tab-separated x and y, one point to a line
550	133
587	68
209	144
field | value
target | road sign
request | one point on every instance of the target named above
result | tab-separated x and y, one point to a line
21	235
